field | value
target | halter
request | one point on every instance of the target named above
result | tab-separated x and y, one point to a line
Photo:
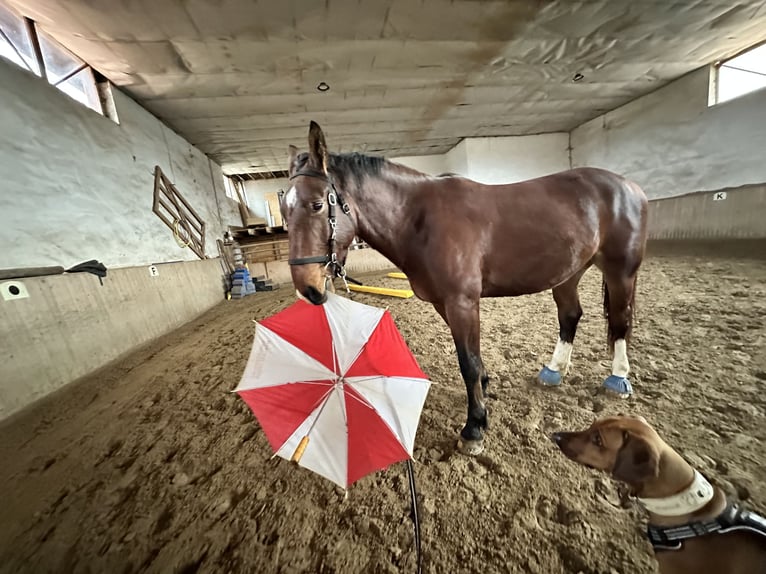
333	198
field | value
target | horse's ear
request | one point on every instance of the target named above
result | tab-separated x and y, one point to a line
317	147
292	153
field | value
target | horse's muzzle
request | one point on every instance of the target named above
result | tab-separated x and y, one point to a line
314	296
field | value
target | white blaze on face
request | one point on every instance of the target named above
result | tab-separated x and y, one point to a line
620	365
561	355
291	197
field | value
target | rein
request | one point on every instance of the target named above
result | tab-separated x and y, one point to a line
330	260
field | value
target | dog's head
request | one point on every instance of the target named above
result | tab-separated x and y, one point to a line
626	447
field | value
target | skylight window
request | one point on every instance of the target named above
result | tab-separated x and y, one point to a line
24	44
740	75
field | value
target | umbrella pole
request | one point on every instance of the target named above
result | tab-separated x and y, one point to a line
301	448
414	510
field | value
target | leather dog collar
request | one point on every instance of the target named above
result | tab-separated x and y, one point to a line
693	498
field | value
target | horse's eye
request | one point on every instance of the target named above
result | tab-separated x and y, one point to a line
596	438
317	206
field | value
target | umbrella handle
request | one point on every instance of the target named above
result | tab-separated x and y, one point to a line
300	449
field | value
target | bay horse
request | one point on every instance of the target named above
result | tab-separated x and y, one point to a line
458	241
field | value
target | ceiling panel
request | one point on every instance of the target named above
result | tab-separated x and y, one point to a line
238	78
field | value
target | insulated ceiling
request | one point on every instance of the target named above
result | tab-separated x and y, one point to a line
238	78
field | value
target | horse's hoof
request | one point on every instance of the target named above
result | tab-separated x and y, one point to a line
549	377
470	447
620	386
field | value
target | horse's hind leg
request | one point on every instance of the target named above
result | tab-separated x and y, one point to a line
462	316
569	313
619	293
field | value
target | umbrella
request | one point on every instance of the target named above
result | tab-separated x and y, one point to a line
336	390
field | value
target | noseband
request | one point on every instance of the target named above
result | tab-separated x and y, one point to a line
333	198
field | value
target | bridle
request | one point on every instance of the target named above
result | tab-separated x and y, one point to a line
330	259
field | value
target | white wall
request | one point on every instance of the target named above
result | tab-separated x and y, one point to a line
511	159
457	158
430	164
256	193
76	186
670	142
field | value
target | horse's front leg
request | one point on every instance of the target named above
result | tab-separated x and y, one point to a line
462	315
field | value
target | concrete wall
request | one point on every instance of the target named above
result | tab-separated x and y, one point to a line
457	158
511	159
430	164
708	215
71	325
671	143
77	186
506	159
256	193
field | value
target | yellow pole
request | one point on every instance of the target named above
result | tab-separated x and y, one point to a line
300	450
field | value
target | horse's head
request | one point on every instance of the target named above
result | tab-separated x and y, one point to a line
319	230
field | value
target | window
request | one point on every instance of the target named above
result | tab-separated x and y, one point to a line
69	73
739	75
24	44
15	44
234	189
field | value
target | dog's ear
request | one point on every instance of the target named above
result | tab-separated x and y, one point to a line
637	461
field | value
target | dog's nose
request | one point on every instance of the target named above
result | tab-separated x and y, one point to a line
557	437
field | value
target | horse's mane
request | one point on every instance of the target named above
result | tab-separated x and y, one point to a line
358	165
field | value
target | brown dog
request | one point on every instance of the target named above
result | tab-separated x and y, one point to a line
692	528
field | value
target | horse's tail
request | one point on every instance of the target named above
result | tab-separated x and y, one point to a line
631	310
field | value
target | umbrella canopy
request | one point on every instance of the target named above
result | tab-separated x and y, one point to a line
335	388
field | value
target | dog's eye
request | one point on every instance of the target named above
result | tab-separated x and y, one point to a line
317	206
596	439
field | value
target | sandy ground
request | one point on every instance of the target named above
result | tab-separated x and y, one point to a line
152	465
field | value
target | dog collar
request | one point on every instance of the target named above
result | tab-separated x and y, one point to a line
690	500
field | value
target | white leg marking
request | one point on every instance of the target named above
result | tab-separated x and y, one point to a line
291	197
620	365
561	354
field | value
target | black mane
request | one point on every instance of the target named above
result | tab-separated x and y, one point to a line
357	165
348	165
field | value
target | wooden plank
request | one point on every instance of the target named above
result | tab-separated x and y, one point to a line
272	200
21	272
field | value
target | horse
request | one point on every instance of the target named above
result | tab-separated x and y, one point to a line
459	241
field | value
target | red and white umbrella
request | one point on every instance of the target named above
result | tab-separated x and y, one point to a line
335	388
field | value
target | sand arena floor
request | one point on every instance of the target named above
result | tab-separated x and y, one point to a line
152	465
